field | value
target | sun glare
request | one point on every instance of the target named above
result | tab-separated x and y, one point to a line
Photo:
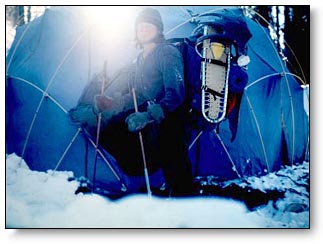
115	20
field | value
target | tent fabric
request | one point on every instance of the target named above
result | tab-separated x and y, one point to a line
53	57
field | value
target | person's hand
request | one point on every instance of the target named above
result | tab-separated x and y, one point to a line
156	112
102	103
137	121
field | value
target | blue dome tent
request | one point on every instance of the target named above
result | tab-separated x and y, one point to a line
53	57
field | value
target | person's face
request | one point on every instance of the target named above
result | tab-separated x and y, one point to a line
146	32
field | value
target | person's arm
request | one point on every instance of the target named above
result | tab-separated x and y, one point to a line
115	100
118	95
172	68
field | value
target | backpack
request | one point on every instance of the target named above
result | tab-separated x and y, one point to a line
237	81
192	69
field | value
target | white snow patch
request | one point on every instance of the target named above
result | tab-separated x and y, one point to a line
47	200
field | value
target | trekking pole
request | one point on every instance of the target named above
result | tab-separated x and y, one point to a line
99	124
142	146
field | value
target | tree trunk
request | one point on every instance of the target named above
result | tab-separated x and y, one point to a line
264	12
21	15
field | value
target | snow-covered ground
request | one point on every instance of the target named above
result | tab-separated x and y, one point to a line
47	200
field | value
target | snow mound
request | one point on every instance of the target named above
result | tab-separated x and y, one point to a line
47	200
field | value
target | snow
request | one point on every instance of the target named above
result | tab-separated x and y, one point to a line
10	34
48	200
39	199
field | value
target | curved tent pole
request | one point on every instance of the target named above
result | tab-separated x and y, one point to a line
67	149
75	136
299	78
185	11
293	116
303	80
289	92
261	79
234	168
32	125
177	26
47	88
98	126
290	101
292	108
89	79
195	140
270	75
124	188
41	91
69	51
250	105
296	76
258	129
17	45
191	18
284	71
45	94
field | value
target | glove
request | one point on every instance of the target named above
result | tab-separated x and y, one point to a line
156	112
114	104
84	116
102	103
139	120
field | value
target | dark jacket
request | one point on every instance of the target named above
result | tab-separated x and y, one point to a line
158	78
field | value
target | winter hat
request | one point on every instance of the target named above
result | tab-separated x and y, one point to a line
152	16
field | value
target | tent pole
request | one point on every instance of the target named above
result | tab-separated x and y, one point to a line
142	146
234	168
66	150
194	141
89	79
258	129
99	125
